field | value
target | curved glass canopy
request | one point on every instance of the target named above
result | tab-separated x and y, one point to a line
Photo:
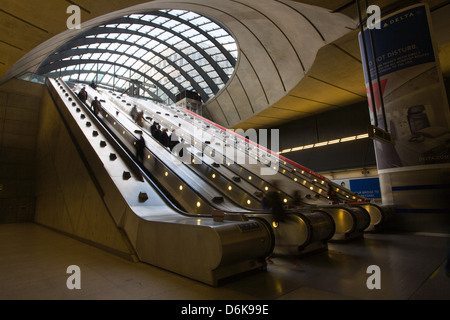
154	55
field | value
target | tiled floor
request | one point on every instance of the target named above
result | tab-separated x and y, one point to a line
34	261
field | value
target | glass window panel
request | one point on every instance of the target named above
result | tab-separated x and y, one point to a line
120	83
106	79
171	24
94	46
189	16
129	62
123	26
105	68
209	26
133	38
181	28
140	53
96	56
123	48
122	59
148	17
134	27
146	29
103	46
138	65
160	20
90	77
123	36
218	33
131	50
136	16
111	35
143	42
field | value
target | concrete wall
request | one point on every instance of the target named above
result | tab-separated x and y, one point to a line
341	123
67	195
19	110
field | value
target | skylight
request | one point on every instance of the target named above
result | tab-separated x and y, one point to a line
166	51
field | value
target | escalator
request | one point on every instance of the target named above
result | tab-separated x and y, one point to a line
193	245
196	191
210	148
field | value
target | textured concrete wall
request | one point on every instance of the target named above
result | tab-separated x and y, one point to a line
19	108
67	198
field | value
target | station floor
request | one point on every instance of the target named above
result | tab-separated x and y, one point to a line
34	261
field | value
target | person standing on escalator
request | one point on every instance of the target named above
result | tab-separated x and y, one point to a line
83	95
96	106
273	201
140	147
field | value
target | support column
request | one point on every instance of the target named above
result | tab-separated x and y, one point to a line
414	167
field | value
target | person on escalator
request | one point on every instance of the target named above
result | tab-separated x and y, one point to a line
158	132
134	112
140	147
297	200
140	118
273	201
83	95
174	139
332	196
153	128
165	140
93	85
96	106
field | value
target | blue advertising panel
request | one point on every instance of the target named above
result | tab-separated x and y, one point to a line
368	188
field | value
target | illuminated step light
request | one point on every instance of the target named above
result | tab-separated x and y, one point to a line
249	202
285	200
181	188
166	173
198	204
266	188
230	188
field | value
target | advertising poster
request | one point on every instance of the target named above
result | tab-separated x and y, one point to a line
415	102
